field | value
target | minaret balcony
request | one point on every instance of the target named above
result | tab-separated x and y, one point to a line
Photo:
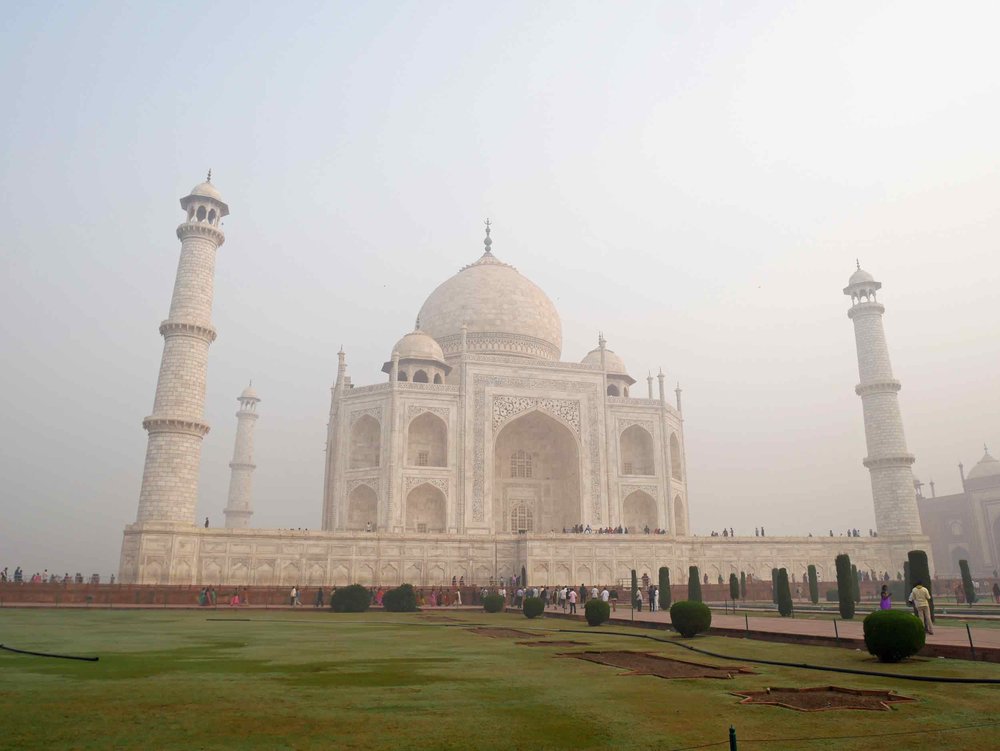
878	387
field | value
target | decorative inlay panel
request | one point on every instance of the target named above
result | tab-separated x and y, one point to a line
415	409
375	412
625	423
651	490
506	407
372	482
441	483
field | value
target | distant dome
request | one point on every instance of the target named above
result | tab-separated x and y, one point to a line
612	361
860	277
419	345
504	312
206	189
987	467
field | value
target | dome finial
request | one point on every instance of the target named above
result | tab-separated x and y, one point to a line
857	262
416	326
488	242
209	178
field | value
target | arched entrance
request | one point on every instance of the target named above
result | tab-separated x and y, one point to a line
362	508
639	511
427	441
680	516
636	448
536	475
426	509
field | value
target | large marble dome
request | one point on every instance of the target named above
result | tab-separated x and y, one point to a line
503	311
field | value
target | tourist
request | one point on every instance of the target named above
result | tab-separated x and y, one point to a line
885	598
655	602
638	599
605	595
318	602
996	592
921	599
571	596
651	592
293	596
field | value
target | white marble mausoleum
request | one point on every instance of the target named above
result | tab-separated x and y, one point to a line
476	454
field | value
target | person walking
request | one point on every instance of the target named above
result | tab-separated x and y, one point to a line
638	600
885	598
293	596
319	598
572	596
921	599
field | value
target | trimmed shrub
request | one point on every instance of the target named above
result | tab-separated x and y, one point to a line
351	599
845	589
402	599
774	586
893	635
734	587
743	585
907	581
493	603
664	590
635	589
597	611
920	571
813	585
524	577
784	594
832	595
967	585
855	585
694	586
689	618
533	607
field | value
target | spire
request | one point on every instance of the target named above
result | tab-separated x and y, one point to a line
488	242
857	262
209	178
601	341
416	326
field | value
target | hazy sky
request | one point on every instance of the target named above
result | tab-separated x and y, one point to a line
694	179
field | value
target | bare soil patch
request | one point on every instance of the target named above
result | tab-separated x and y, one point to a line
554	643
643	663
822	698
503	633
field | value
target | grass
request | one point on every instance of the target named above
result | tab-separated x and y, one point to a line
283	680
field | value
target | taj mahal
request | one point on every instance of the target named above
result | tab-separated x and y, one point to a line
481	450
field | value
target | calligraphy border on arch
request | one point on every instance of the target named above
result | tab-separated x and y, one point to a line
480	384
412	481
375	412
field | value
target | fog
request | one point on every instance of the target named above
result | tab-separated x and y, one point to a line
695	180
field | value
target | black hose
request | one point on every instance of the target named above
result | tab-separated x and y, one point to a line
46	654
800	665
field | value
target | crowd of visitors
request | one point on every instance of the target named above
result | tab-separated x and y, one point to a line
45	577
586	529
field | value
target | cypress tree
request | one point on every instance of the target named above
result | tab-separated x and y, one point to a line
734	587
855	584
967	585
694	584
524	577
774	585
635	588
784	594
920	571
907	581
813	585
743	585
665	598
845	590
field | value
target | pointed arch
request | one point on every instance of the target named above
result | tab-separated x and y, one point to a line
676	468
426	509
427	441
636	450
639	511
420	377
362	508
366	442
680	516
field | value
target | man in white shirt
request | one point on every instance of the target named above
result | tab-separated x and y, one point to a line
921	599
571	596
605	594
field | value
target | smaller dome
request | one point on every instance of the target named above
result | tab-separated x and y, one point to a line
612	361
419	345
861	277
249	393
207	190
986	467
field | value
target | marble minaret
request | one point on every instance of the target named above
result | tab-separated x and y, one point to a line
177	424
239	507
888	461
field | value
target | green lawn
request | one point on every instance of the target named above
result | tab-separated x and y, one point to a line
283	680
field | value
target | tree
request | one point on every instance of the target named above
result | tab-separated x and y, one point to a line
855	584
845	590
734	587
524	577
743	585
774	585
907	580
813	585
635	588
784	594
967	585
664	590
920	571
694	584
